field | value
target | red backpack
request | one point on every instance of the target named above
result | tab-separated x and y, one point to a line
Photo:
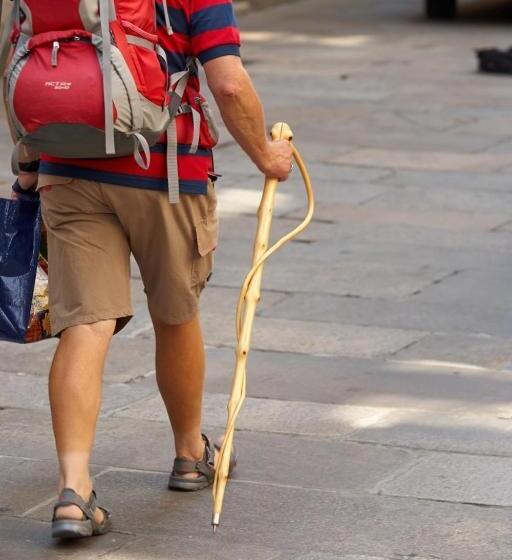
87	78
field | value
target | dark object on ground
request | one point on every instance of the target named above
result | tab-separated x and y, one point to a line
441	9
495	61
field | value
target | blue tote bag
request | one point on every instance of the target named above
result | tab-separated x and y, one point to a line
20	240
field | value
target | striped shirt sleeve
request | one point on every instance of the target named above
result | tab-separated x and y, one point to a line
213	29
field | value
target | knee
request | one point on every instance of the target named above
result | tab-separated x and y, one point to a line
163	328
101	332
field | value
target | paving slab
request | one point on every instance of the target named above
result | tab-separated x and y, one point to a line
26	433
413	118
425	252
270	415
361	278
326	243
119	442
313	247
268	515
334	243
347	468
242	227
27	358
477	180
455	478
479	350
345	174
485	433
383	235
329	556
145	445
192	548
442	199
133	442
127	358
239	199
28	539
28	483
475	317
25	483
477	284
428	385
223	301
338	186
414	160
494	125
506	228
130	358
503	146
308	337
323	556
21	390
394	135
440	219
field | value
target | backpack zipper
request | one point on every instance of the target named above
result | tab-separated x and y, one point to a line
56	47
55	52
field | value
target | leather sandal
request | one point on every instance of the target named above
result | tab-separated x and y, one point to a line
204	468
63	528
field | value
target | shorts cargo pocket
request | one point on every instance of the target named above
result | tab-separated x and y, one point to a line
207	234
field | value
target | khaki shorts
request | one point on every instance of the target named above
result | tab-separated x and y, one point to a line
92	230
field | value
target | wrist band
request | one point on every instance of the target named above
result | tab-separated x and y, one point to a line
17	188
29	167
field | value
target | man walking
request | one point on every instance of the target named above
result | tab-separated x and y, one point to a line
97	213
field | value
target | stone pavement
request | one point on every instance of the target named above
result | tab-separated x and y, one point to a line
379	419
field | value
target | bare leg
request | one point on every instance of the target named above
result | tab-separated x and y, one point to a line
75	396
180	377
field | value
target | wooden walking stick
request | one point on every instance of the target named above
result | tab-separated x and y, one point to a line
246	309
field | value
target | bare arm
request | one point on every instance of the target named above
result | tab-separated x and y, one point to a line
243	115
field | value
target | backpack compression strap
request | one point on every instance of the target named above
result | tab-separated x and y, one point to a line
179	81
107	14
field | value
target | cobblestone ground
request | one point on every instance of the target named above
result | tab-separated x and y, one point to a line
378	424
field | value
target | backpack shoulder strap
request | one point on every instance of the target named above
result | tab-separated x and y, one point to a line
11	8
107	14
8	21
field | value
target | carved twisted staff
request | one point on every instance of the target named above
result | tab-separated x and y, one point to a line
246	309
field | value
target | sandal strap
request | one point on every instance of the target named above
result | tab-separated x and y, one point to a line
204	466
69	497
185	466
